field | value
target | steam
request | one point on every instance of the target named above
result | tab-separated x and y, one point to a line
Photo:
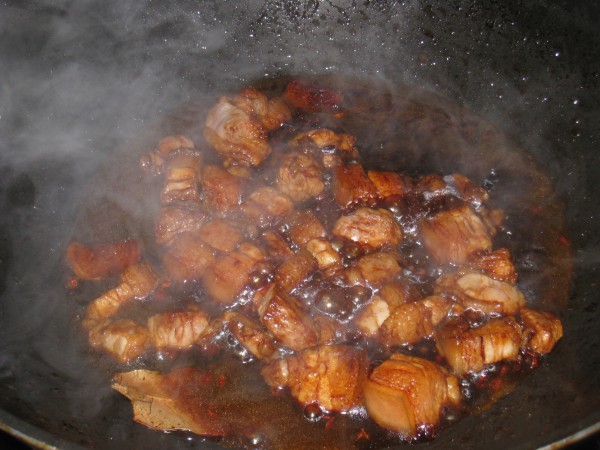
80	78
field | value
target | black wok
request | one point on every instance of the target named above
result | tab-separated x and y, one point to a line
81	78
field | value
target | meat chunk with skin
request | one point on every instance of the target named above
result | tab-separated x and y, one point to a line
330	375
310	97
236	136
137	281
351	185
374	228
372	316
94	262
251	334
187	257
173	220
266	204
542	330
222	190
153	162
379	268
277	246
388	184
227	276
295	270
300	176
454	235
304	227
286	319
182	177
221	235
468	191
123	339
471	349
272	113
481	293
405	392
411	322
177	330
497	265
322	250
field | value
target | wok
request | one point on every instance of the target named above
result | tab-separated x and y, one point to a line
83	78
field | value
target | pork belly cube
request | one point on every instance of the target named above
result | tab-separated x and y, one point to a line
300	176
237	137
399	292
277	247
123	339
222	190
411	322
227	276
351	185
173	220
221	235
481	293
266	204
388	184
469	191
329	375
177	330
406	392
379	268
324	253
374	228
94	262
542	330
305	226
497	265
286	319
187	257
272	113
452	236
251	334
471	349
181	178
370	318
295	270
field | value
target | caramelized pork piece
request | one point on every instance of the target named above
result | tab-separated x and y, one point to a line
452	236
411	322
431	185
272	113
468	191
406	392
266	204
295	270
497	265
542	330
388	184
172	221
330	375
373	228
251	334
324	138
379	268
276	245
222	190
221	235
94	262
305	226
399	292
181	178
123	339
351	185
137	281
300	176
187	257
227	276
481	293
177	330
285	318
309	97
470	350
152	162
237	137
372	316
322	250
